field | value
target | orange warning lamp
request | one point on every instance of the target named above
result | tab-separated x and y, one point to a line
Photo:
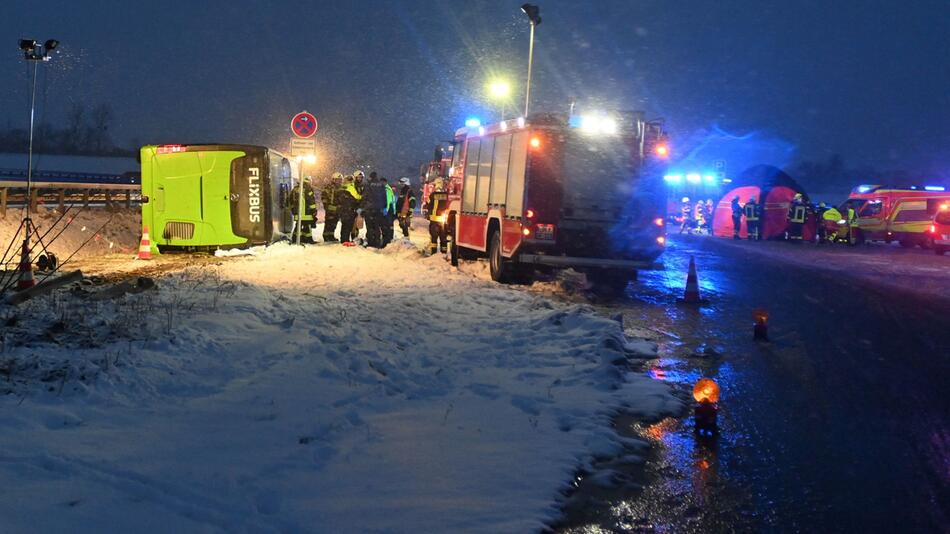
706	413
706	391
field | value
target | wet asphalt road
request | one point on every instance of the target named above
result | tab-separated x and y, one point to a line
840	424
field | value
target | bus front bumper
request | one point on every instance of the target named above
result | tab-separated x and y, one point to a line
603	263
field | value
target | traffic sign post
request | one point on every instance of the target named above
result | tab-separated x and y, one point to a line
304	126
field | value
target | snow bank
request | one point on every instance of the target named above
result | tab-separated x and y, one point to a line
107	232
317	388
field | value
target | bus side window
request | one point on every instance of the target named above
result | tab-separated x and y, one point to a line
471	176
514	200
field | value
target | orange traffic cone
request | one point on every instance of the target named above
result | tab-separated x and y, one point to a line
145	248
26	280
691	295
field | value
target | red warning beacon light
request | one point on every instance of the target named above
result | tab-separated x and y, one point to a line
706	393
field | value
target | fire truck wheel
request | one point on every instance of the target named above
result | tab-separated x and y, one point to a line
498	265
611	282
453	251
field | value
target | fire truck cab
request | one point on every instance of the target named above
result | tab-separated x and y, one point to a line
557	192
902	215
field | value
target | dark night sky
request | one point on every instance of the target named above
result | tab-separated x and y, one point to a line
868	79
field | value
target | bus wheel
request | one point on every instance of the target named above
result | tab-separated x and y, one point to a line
499	267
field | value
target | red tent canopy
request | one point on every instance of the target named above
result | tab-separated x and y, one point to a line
771	187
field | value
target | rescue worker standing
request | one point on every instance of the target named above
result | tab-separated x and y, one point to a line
306	222
820	230
797	213
330	196
435	210
374	205
708	215
752	212
736	217
389	213
687	213
349	202
406	203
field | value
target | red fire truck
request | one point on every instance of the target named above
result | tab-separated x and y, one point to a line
556	192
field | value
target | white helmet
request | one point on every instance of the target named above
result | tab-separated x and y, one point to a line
337	176
685	199
358	174
404	180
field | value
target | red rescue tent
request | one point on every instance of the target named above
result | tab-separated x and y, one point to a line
773	190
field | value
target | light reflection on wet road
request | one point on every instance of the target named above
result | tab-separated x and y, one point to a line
839	424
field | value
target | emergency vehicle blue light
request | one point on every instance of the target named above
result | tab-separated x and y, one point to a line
710	178
934	188
472	122
694	178
864	189
673	178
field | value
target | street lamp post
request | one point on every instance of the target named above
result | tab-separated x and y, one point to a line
534	16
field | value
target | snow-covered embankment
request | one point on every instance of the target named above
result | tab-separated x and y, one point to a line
318	389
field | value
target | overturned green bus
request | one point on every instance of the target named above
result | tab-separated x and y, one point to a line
205	197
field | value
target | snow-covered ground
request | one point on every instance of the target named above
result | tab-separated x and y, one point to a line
321	389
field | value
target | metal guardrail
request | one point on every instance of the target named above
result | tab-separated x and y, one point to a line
60	187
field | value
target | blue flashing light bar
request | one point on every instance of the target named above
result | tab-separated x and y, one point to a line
864	189
472	122
673	178
934	188
694	177
710	178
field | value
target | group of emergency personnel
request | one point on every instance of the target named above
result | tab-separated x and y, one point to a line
355	203
829	223
697	217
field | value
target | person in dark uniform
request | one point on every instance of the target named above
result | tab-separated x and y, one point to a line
349	202
736	217
435	210
309	209
405	204
374	205
330	197
797	212
752	213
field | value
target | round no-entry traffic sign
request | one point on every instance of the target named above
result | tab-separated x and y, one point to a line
304	124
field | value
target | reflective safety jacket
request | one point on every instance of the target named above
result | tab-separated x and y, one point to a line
330	196
407	201
831	214
349	199
390	201
796	213
438	203
309	201
751	210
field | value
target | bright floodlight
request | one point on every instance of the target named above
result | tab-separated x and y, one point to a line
598	124
499	89
309	159
51	45
27	45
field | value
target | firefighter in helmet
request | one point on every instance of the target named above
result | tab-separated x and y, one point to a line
309	209
736	217
797	213
752	213
436	208
820	229
330	196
